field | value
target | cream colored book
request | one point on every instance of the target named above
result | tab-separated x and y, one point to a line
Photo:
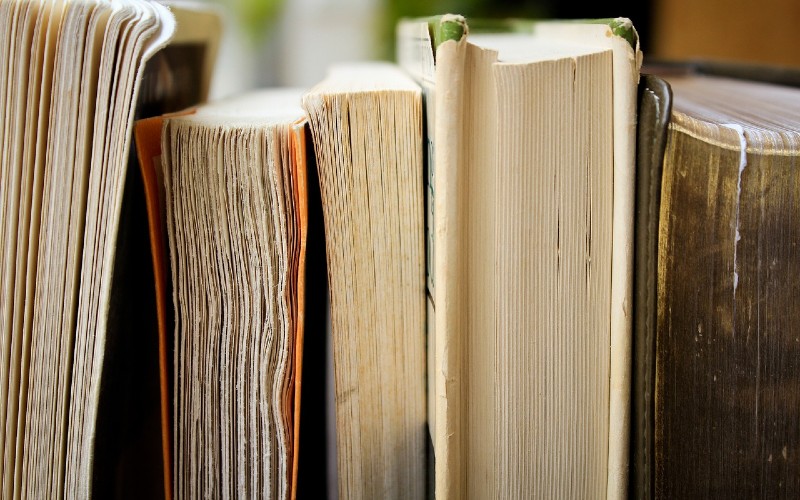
529	188
366	124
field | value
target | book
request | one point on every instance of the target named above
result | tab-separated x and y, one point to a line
74	76
234	203
715	372
530	187
366	124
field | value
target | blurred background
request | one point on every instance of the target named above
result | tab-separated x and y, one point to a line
293	42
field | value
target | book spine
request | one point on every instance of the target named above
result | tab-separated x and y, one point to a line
448	184
655	102
626	62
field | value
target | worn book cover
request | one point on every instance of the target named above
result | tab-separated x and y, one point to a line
715	404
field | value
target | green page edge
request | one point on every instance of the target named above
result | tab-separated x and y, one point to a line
446	27
620	26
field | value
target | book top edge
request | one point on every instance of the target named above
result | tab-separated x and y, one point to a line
454	27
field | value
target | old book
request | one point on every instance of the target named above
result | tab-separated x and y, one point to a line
366	124
74	74
529	188
722	395
655	106
234	204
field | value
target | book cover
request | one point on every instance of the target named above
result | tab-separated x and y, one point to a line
714	413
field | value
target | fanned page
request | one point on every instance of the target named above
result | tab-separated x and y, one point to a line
70	80
47	192
531	226
17	190
366	123
235	219
106	179
176	77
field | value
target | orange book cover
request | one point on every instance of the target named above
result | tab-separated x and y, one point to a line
298	150
148	148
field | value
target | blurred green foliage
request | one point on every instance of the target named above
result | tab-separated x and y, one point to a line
483	9
255	16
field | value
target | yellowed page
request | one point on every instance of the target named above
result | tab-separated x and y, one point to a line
627	61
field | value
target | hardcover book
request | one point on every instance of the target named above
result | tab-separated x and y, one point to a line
716	323
530	189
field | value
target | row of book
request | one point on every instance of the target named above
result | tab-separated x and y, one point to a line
542	271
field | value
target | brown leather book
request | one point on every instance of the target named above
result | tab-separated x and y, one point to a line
717	310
